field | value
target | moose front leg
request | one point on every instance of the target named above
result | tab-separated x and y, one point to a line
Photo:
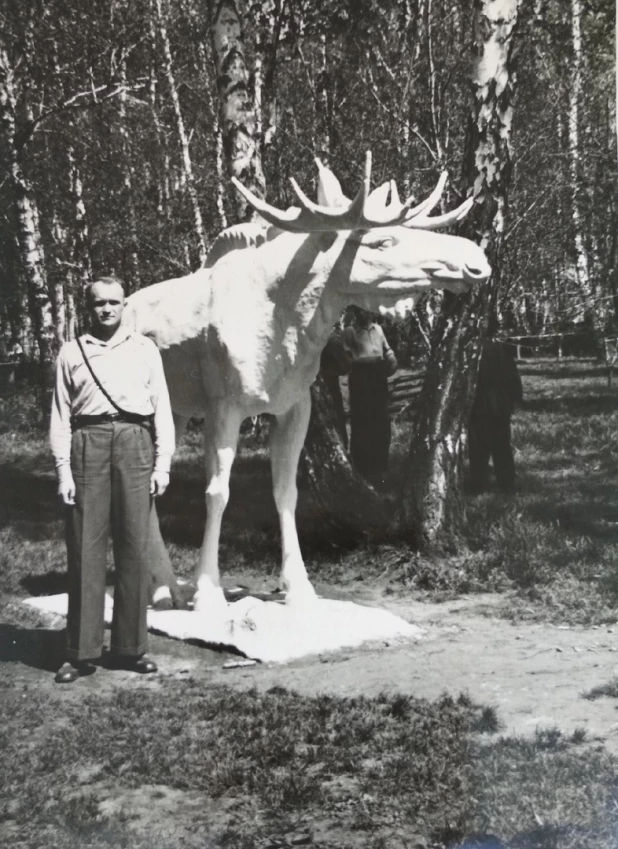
221	429
287	436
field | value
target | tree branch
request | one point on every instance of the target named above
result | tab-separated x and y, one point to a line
97	94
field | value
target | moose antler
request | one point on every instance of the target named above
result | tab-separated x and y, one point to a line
366	211
330	192
423	222
358	214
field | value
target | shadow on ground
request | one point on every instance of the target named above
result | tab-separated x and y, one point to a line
41	648
576	407
28	494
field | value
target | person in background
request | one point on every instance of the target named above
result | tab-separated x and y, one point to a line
373	361
112	437
336	361
14	352
498	390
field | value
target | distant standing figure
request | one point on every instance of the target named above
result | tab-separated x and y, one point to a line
15	356
335	362
373	361
15	352
498	390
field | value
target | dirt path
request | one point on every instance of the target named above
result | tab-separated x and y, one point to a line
534	674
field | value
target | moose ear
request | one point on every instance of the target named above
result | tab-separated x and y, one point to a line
251	234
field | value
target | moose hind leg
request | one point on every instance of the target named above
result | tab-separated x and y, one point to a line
221	429
287	436
164	590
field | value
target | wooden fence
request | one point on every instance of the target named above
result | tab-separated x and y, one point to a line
403	389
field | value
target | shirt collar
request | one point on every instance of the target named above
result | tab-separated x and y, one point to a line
121	335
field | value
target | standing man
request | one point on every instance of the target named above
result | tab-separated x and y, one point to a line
498	390
112	437
336	361
373	361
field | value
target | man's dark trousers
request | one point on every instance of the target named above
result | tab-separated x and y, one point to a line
370	418
490	436
111	464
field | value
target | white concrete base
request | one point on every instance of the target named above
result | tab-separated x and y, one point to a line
271	631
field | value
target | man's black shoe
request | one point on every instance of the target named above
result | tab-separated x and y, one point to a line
70	671
143	664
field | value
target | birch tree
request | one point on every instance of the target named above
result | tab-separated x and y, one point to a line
161	17
132	277
432	504
582	269
30	242
238	119
79	268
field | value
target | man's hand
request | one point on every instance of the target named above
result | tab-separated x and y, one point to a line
368	359
66	491
158	483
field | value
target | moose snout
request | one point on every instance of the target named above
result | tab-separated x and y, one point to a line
476	273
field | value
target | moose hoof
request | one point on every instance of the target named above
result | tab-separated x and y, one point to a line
210	602
301	595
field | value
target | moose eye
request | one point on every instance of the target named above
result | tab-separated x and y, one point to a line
387	242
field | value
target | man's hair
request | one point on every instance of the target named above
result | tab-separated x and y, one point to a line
110	280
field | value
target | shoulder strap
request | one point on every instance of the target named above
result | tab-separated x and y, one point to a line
96	379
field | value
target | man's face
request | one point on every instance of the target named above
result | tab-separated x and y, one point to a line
106	306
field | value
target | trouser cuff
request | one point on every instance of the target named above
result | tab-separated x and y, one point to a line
119	651
79	655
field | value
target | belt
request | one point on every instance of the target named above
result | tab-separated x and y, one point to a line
78	422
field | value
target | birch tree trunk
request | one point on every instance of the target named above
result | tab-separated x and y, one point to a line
218	140
322	101
132	274
30	243
582	268
182	133
81	265
238	119
56	280
432	508
163	177
269	96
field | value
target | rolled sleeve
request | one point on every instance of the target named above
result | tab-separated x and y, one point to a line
165	439
389	356
60	424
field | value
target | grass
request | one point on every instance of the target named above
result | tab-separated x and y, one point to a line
383	771
551	548
174	764
610	690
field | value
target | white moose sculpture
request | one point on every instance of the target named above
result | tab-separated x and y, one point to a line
244	337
